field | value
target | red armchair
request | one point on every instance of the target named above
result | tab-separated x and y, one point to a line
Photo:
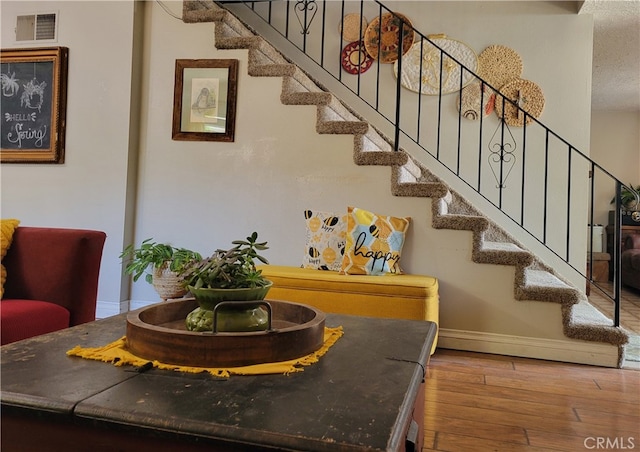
52	281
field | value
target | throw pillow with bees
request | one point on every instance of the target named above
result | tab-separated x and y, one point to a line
374	243
326	238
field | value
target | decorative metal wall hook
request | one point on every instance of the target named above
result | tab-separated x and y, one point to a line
501	158
302	9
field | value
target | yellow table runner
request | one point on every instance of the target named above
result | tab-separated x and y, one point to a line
117	354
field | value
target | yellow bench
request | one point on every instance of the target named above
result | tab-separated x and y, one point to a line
412	297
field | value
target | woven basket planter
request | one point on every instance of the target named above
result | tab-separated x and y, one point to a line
167	283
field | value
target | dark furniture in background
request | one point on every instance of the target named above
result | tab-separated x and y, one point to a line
631	260
52	281
626	231
366	393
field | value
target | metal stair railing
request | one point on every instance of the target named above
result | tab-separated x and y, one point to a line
548	173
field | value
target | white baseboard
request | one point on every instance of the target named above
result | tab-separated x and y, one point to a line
137	304
570	351
106	309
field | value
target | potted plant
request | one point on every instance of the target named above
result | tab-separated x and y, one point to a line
228	276
629	197
165	262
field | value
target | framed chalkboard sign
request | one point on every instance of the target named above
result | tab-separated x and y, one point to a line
33	107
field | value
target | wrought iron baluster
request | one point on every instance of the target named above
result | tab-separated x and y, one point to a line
502	151
568	202
546	187
396	146
617	255
302	9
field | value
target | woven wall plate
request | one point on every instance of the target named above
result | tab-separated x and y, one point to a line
355	59
498	65
527	95
383	35
353	27
427	57
471	97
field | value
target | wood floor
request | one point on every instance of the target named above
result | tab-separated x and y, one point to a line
481	402
629	305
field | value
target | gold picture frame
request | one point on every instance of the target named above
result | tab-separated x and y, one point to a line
33	108
204	100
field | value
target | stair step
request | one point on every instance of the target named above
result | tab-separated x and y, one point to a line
270	70
266	61
502	253
541	278
199	13
588	324
298	89
410	172
585	313
236	42
460	222
501	247
304	98
340	127
418	189
540	285
228	26
372	141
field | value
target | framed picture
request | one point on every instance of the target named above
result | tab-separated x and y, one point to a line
33	107
204	100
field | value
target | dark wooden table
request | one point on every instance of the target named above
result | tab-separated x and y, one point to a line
366	393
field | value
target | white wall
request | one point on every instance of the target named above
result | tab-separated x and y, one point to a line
615	145
89	190
201	195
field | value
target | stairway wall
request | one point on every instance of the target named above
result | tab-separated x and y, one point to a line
532	29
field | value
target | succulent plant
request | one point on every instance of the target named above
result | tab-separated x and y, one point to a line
233	268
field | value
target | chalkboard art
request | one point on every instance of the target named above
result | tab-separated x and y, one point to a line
33	106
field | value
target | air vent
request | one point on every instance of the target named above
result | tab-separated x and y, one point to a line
36	27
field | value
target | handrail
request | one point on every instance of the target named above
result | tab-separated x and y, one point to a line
516	206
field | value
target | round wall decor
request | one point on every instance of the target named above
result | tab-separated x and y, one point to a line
383	35
355	59
353	27
498	65
423	72
524	93
470	98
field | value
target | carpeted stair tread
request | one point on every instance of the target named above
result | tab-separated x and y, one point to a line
414	169
583	321
304	98
298	89
501	254
379	158
372	141
501	247
539	278
417	189
261	63
229	26
460	222
270	70
540	285
199	12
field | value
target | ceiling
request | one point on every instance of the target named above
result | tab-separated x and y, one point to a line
616	54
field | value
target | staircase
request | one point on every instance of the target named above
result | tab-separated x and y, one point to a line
491	244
